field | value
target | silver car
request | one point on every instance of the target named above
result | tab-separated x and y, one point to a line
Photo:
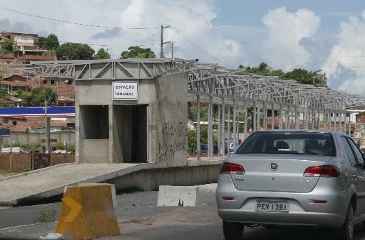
293	178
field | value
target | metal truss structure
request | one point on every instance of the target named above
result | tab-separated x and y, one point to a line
205	80
106	69
215	81
291	104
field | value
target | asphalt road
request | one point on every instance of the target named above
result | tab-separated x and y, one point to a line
139	218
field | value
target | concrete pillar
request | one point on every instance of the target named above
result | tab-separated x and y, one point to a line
228	121
265	117
272	116
254	119
349	124
198	152
223	110
329	121
234	124
245	118
296	115
210	128
288	118
258	118
280	116
111	131
305	119
219	127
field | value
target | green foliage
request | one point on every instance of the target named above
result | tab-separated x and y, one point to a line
7	46
41	95
138	52
307	77
300	75
26	96
37	96
75	51
102	54
3	92
51	42
26	147
192	141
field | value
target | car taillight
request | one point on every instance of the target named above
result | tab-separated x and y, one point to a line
232	168
322	171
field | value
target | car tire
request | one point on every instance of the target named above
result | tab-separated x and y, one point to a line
347	232
233	231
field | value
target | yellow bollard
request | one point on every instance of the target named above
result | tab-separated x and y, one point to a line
88	212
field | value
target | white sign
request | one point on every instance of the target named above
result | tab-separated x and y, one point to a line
125	90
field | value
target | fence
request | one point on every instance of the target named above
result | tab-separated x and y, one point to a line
19	162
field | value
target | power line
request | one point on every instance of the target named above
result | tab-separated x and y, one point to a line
70	22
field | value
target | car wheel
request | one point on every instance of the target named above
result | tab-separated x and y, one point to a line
347	232
233	231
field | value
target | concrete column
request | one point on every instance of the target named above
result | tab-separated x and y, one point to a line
349	124
111	137
198	152
219	127
330	126
228	121
210	128
223	109
234	123
306	119
296	114
245	118
258	118
280	116
346	124
288	118
265	117
254	119
273	116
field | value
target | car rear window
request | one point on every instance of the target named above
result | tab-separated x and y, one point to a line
289	143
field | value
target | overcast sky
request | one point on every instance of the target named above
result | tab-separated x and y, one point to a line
325	34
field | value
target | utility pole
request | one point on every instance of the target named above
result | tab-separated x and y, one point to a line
162	42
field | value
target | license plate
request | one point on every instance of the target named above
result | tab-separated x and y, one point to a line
272	206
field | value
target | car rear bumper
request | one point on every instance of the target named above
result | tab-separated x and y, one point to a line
305	219
323	207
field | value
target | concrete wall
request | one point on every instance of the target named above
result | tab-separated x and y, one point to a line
67	137
170	132
19	162
94	150
151	179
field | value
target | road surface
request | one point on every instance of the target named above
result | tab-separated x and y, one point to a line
139	219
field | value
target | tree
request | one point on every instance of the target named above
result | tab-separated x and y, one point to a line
138	52
75	51
37	96
300	75
7	46
51	42
43	94
307	77
102	54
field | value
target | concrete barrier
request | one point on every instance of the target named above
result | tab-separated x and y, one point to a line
149	179
88	212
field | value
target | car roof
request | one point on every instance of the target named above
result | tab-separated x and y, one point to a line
299	131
